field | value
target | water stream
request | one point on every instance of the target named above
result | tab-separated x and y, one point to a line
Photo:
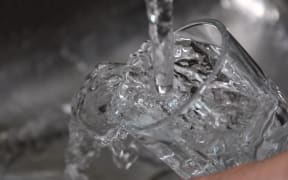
160	19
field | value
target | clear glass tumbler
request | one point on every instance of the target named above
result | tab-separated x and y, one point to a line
223	112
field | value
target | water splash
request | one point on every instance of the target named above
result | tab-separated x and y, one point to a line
96	121
92	128
119	107
91	121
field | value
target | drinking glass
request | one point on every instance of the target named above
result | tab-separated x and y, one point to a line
233	113
222	111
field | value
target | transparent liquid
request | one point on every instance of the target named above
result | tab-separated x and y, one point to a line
160	17
214	117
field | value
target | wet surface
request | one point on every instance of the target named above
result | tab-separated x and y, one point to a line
46	49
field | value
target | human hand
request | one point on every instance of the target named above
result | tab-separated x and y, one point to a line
275	168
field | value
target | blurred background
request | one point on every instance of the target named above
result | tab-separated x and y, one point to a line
47	48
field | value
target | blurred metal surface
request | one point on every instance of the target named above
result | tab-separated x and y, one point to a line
47	48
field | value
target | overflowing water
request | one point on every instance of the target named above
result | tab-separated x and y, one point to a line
87	134
182	100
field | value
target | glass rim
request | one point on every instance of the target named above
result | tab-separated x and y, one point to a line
219	26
